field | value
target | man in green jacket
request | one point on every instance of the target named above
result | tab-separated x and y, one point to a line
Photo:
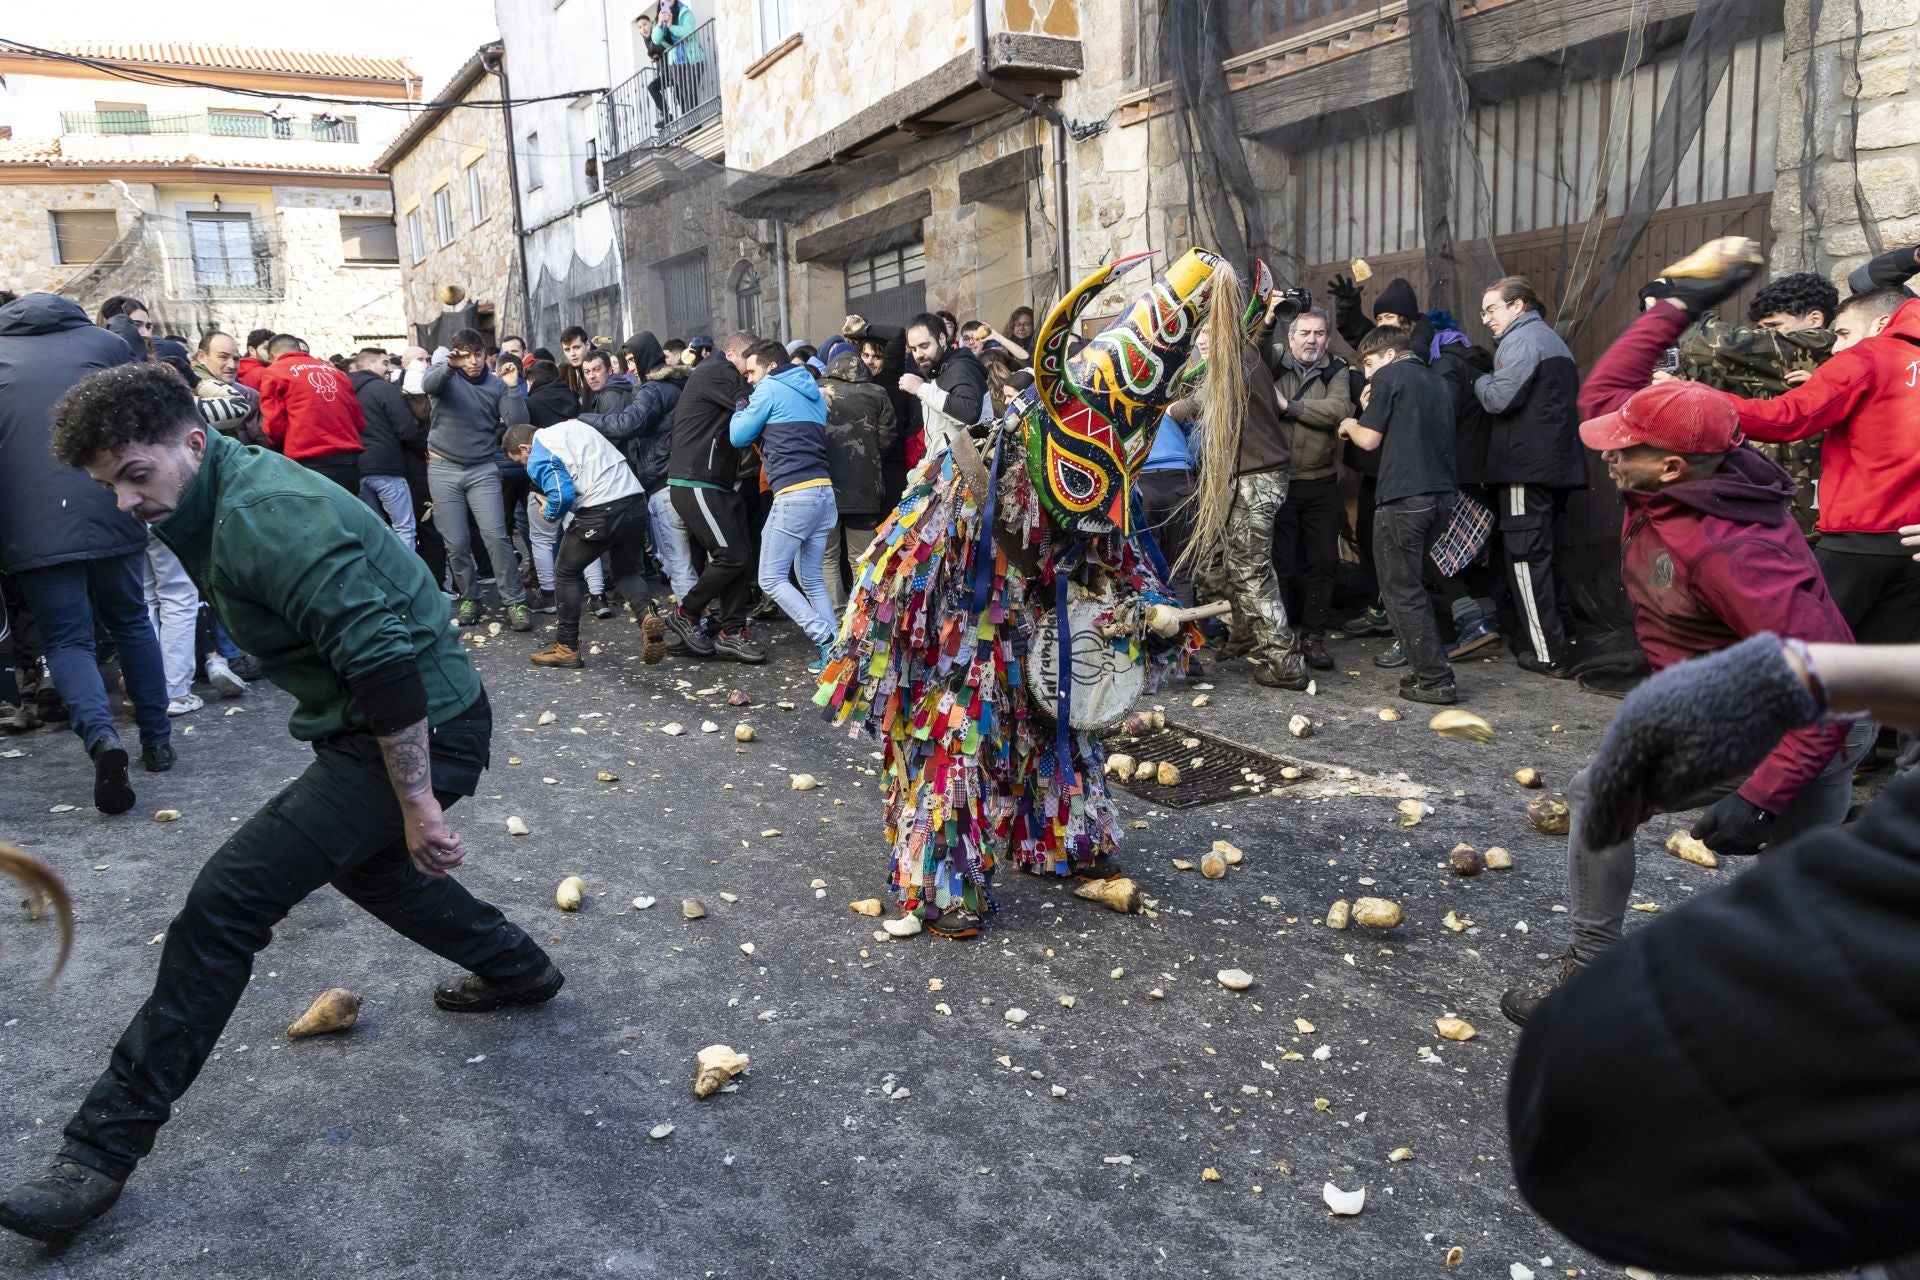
346	619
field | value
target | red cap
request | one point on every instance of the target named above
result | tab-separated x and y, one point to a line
1686	417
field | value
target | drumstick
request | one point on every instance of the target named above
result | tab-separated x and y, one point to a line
1165	620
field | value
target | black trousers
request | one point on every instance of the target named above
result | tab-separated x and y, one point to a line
617	530
1879	595
1404	531
1524	515
717	523
338	824
341	468
1306	547
1166	499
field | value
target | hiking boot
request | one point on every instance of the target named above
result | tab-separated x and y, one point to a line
519	617
245	667
467	613
1287	671
472	993
1541	667
1371	623
1518	1003
222	678
1441	693
601	606
112	793
956	924
60	1202
557	655
688	631
1474	638
653	627
764	607
1239	648
157	757
739	646
1314	647
1394	656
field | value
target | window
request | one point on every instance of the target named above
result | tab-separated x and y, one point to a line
778	20
371	241
476	193
599	313
82	235
236	124
592	168
890	287
416	235
532	157
443	215
746	296
684	283
223	251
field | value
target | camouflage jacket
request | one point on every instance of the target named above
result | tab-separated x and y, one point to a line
1754	363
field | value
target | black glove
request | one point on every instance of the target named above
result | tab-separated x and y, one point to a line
1734	825
1345	292
1891	270
1691	726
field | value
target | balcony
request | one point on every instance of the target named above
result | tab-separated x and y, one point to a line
677	95
211	124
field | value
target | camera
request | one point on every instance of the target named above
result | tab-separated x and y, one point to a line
1291	303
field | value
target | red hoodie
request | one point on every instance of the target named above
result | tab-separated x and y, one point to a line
308	409
1710	562
250	371
1867	400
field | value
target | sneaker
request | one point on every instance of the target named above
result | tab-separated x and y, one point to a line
60	1202
956	924
653	627
221	677
519	617
185	704
1393	657
687	629
1551	670
472	993
545	602
601	606
112	793
18	719
1473	638
1442	693
245	667
739	646
468	613
765	607
1315	649
1288	671
819	664
157	757
557	655
1518	1003
1371	623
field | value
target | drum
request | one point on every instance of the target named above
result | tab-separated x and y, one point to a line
1107	679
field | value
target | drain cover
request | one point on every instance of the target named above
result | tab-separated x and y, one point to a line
1227	770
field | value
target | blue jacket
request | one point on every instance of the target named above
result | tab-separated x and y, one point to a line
1171	449
788	417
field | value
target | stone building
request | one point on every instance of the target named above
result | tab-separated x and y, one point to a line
453	197
212	201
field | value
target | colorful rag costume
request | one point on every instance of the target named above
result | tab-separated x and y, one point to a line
999	558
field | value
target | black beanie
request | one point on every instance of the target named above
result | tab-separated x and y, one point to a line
1397	299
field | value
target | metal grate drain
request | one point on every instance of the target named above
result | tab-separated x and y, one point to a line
1227	770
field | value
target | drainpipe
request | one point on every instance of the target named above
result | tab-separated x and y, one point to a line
602	159
1044	110
494	63
780	260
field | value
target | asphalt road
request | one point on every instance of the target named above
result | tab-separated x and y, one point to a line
894	1121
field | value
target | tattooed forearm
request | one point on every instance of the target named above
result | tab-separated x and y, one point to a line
408	764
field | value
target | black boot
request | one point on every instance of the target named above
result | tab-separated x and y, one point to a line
112	793
472	993
58	1203
1518	1003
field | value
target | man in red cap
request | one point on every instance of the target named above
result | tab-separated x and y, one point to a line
1710	555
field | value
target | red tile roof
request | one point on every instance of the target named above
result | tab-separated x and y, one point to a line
48	153
226	57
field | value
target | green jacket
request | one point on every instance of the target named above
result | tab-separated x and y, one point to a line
1318	401
306	578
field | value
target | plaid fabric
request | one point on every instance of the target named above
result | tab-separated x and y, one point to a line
1466	533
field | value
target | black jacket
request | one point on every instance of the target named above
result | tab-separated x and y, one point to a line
551	402
615	394
51	513
861	429
1459	366
644	428
1736	1087
391	432
702	448
1532	399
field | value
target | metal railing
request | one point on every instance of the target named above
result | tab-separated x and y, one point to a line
678	93
215	124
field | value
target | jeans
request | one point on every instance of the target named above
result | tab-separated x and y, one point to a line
1306	546
1601	880
390	495
670	541
63	598
845	546
544	534
173	605
456	491
1404	531
616	530
795	542
339	824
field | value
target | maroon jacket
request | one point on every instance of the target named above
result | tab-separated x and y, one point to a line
1710	562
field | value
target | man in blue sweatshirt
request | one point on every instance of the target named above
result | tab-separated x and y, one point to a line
787	417
585	477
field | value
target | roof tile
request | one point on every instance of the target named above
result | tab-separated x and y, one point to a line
48	152
225	57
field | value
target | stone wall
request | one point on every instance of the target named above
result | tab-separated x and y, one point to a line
1829	74
26	229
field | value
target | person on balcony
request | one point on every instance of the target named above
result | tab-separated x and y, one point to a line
680	58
